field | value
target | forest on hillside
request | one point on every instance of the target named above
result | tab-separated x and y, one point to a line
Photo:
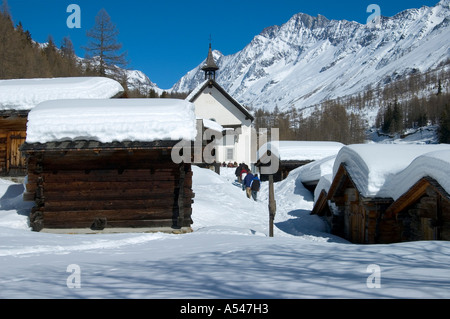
403	102
21	57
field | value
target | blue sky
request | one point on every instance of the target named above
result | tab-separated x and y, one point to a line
166	39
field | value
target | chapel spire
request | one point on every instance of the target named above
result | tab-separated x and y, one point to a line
210	66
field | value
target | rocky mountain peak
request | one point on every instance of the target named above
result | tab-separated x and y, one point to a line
310	59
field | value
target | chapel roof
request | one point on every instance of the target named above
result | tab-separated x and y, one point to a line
210	64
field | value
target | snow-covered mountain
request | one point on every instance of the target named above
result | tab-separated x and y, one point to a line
311	59
138	80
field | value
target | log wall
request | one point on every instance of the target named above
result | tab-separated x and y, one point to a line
3	152
363	220
360	220
108	189
427	219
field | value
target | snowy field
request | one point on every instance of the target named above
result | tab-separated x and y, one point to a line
228	256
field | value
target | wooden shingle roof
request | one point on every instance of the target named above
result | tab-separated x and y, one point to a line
418	190
210	64
95	145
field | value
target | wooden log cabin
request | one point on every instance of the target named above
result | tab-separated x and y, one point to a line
355	217
18	97
404	208
121	178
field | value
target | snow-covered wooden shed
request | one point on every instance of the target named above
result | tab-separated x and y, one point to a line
102	165
294	154
375	192
18	97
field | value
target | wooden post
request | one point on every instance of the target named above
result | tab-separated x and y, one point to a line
180	219
272	205
217	168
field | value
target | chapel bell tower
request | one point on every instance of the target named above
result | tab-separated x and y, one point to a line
210	67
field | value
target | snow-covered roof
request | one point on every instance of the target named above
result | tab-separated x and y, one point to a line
324	184
435	165
387	170
312	172
300	150
213	125
24	94
111	120
194	92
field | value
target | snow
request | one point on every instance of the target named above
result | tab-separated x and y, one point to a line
315	170
213	125
112	120
434	164
373	166
422	135
196	90
228	256
323	184
25	94
301	150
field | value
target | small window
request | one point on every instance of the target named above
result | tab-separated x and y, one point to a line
230	154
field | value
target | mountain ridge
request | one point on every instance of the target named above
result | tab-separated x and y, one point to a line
308	60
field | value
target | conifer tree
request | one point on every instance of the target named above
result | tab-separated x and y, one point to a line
444	126
7	43
52	56
153	94
5	9
103	46
67	50
397	119
71	66
387	119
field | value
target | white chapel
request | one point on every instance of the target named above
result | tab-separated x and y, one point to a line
213	103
